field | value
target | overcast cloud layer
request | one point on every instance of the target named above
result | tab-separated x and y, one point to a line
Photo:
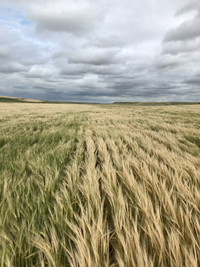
100	51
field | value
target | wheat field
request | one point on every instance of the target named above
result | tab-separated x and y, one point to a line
99	185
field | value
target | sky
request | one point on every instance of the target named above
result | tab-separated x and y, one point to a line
100	50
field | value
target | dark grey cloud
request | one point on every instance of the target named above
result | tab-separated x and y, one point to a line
179	47
93	56
194	80
189	6
169	62
189	29
73	17
186	31
11	68
180	56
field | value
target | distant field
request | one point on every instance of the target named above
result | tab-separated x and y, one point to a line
17	100
99	185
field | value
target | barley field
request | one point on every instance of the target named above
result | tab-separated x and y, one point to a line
99	185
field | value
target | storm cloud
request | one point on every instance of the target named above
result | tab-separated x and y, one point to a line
100	51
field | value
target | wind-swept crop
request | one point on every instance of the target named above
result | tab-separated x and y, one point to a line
91	185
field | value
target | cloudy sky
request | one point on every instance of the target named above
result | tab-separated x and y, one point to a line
100	50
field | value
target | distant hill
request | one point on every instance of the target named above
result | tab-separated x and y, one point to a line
18	100
155	103
26	100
